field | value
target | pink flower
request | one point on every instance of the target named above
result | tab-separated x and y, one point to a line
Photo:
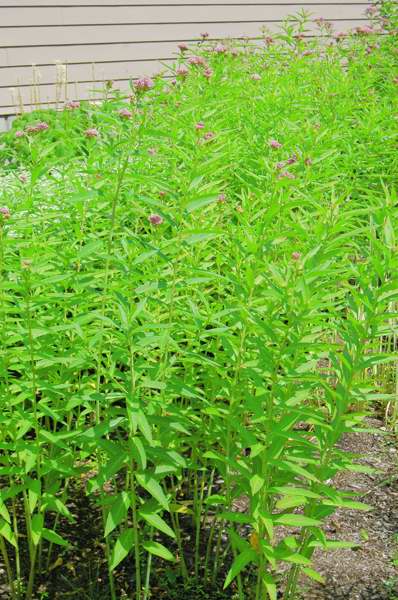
221	198
371	11
19	133
286	175
307	53
209	136
269	40
5	212
182	71
364	30
208	73
255	77
31	129
91	132
155	219
200	125
293	159
143	84
183	47
196	60
42	126
173	82
204	35
125	113
72	105
220	49
281	165
23	178
234	52
275	144
308	162
340	35
152	151
296	255
162	194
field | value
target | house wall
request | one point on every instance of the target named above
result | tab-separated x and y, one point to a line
121	39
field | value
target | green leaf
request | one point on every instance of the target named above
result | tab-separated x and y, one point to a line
313	575
158	550
294	520
200	202
156	521
122	547
152	486
256	483
240	562
270	586
53	537
34	487
7	533
37	528
117	512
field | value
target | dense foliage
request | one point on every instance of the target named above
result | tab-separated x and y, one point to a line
198	298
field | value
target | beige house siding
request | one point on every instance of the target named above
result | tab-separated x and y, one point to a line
122	39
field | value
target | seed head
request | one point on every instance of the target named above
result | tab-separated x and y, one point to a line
308	162
23	177
152	151
255	77
221	198
204	35
209	136
155	219
183	47
208	73
296	255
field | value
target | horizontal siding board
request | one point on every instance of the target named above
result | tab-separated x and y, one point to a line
42	55
80	90
51	36
95	3
105	15
23	76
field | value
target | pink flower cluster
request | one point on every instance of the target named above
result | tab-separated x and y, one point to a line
182	71
155	219
42	126
143	84
72	105
220	49
125	113
5	212
91	132
196	60
364	30
275	144
183	47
